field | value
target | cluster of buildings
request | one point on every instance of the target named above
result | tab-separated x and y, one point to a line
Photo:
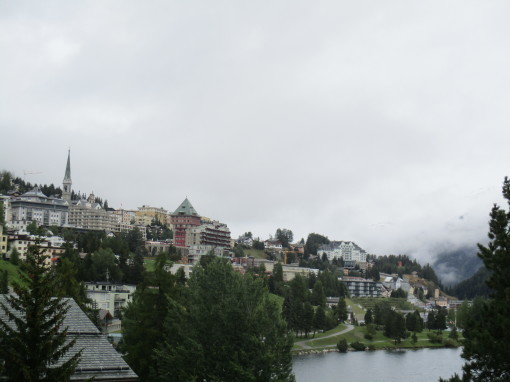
194	234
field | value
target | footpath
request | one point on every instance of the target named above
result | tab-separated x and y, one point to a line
305	346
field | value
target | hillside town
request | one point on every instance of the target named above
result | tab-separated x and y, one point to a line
190	233
314	278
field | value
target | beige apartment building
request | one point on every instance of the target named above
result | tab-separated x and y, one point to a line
146	214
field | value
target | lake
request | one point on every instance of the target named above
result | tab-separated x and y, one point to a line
421	365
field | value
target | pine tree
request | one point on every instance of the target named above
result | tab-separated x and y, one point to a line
369	318
487	337
487	325
233	331
4	281
341	310
143	319
33	340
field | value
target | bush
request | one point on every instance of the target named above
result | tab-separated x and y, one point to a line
435	338
358	346
454	335
342	345
450	343
368	336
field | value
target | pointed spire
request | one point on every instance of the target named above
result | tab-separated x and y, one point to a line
68	167
67	183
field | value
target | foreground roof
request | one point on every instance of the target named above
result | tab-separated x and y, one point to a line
99	359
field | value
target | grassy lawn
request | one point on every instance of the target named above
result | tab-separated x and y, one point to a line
337	329
378	342
359	312
256	253
12	270
149	264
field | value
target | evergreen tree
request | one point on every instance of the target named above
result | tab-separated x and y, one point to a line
369	317
319	319
431	320
144	318
313	242
441	319
284	236
381	311
318	296
487	327
256	347
33	339
66	284
395	326
4	281
14	257
307	318
341	310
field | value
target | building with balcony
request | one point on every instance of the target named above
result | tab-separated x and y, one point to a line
211	233
109	296
359	287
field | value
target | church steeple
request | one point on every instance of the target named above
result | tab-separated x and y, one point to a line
67	183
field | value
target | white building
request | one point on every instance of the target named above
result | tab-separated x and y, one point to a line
110	296
273	244
51	247
348	250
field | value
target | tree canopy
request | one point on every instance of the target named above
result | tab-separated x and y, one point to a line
233	330
33	340
487	325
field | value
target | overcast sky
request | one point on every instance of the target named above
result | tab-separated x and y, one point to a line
381	122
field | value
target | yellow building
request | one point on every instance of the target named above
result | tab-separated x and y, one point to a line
146	214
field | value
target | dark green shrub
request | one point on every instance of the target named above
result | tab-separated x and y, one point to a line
435	338
358	346
342	345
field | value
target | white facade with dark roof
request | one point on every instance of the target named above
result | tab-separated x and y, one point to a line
348	250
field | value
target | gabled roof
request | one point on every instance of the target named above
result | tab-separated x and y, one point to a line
185	209
99	359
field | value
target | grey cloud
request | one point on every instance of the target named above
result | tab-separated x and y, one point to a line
374	122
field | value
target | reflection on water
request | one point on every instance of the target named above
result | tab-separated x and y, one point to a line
422	365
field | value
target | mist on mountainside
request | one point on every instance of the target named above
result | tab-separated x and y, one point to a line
454	266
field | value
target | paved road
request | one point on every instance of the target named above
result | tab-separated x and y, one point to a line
304	344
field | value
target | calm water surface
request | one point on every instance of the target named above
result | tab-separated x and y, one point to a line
422	365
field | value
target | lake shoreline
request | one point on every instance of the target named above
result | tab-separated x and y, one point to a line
334	349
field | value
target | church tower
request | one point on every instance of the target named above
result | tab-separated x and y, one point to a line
66	190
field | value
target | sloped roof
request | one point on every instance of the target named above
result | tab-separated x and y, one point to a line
99	359
185	209
36	191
